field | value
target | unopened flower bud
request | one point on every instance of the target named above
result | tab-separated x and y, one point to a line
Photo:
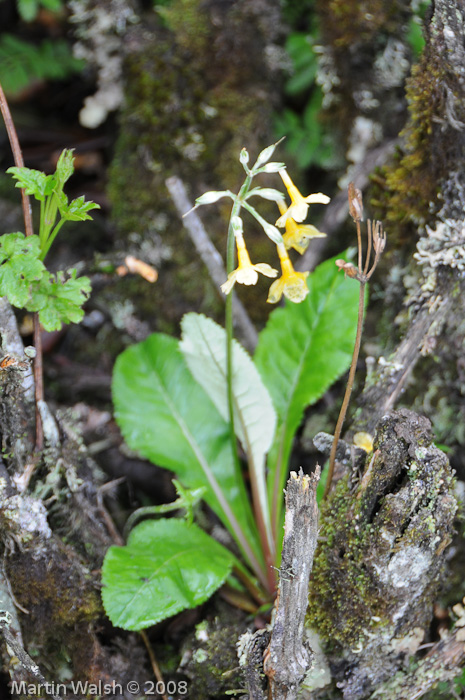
244	156
211	197
237	224
355	203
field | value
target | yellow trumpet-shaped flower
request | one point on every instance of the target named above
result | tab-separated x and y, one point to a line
291	283
298	236
298	208
246	273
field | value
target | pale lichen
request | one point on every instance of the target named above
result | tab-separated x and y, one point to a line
99	29
442	245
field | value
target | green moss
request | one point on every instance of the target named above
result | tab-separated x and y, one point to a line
186	19
410	185
213	667
191	104
354	22
342	597
413	181
56	602
389	526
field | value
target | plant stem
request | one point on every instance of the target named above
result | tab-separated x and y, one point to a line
229	347
260	515
28	228
51	237
348	392
18	158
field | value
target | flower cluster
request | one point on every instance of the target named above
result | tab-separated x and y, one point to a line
291	284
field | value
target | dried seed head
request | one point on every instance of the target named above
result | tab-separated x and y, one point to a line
379	238
355	203
349	269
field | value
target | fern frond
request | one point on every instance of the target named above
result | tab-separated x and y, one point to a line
22	63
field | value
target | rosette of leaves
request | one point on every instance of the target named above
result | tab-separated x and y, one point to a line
171	404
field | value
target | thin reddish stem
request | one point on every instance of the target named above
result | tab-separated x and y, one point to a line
28	228
348	392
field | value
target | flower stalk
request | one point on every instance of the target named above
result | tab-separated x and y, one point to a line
376	242
293	286
260	509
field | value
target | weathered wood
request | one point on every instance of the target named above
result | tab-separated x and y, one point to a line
380	558
288	658
440	664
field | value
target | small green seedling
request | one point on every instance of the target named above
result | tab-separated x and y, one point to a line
24	279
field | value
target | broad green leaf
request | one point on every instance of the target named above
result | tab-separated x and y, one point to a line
34	182
167	417
59	300
167	566
204	348
19	266
302	350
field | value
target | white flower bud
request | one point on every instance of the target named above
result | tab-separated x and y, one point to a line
211	197
244	156
273	233
271	168
237	225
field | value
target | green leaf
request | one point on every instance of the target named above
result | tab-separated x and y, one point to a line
34	182
19	266
305	63
167	417
59	300
28	9
65	166
77	209
204	348
302	350
167	566
22	63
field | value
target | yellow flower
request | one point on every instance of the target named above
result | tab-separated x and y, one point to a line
246	273
298	236
364	441
298	208
291	283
